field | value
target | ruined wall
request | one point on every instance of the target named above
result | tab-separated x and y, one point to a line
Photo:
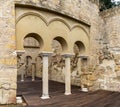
85	10
110	67
112	24
8	70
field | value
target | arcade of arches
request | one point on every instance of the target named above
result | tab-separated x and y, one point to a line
49	51
68	41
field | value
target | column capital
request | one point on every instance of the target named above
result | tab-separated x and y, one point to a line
46	53
68	55
33	62
20	52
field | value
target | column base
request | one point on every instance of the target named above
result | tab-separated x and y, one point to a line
66	93
45	97
22	80
84	89
33	79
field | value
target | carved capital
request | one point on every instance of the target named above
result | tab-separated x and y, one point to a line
66	55
46	54
20	52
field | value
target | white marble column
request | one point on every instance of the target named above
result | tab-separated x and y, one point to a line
67	74
45	84
33	71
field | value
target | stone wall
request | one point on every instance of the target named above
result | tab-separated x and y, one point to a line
8	61
112	24
110	79
86	11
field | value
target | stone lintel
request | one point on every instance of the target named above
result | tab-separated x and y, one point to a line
66	55
46	54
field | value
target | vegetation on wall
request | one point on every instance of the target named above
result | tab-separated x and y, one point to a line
106	4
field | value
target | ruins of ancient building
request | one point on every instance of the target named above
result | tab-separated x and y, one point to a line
68	41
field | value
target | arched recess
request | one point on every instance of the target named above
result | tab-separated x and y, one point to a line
33	40
58	27
79	36
79	47
30	24
59	44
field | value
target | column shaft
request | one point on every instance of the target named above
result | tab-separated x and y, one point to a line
67	76
45	93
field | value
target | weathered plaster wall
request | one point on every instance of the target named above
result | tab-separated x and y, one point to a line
8	61
83	10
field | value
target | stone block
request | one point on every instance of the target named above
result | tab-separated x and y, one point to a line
12	96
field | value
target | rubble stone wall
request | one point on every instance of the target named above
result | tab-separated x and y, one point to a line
8	69
111	23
